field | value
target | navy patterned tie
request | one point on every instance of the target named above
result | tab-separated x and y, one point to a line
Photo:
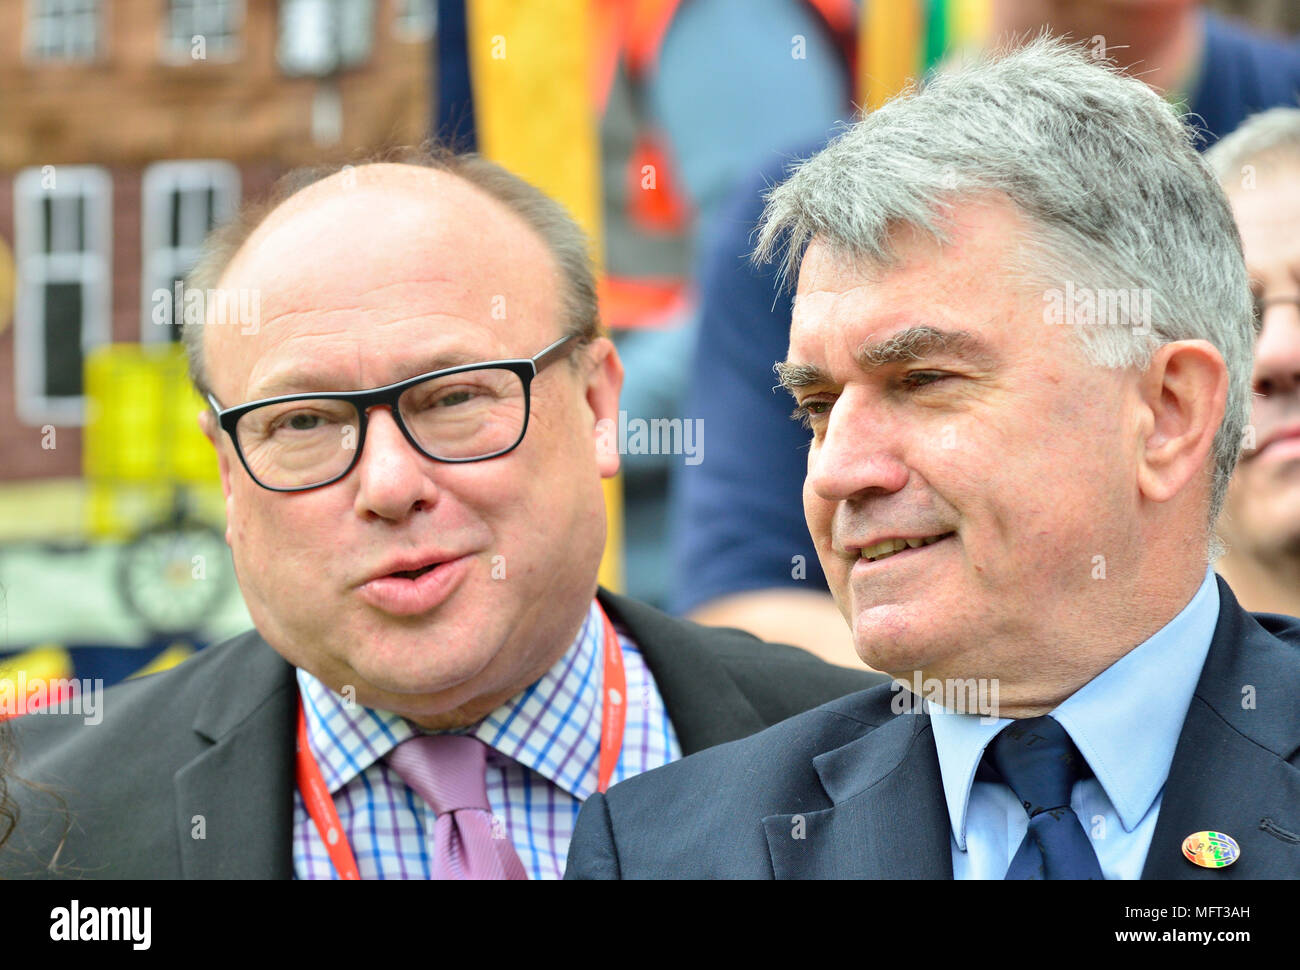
1040	764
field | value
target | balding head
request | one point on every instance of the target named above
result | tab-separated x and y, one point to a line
549	221
379	245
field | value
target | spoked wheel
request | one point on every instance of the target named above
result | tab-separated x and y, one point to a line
174	575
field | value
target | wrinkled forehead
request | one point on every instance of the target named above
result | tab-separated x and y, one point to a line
972	281
378	259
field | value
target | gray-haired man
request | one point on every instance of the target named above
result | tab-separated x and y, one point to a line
1022	344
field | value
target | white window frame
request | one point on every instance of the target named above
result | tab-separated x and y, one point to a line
39	12
222	49
91	267
415	21
336	52
160	260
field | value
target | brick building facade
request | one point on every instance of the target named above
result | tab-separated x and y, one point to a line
128	126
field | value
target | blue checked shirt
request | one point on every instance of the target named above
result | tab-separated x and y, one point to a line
543	764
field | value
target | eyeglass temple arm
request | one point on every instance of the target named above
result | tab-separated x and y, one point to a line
554	352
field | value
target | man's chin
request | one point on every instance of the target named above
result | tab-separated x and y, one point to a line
896	660
418	687
401	670
888	640
416	699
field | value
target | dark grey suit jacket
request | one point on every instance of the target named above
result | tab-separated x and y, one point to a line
214	739
852	790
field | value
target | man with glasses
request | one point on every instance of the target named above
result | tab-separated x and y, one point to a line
410	445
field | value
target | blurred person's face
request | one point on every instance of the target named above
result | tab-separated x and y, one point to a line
1008	455
435	590
1262	517
1157	41
1076	16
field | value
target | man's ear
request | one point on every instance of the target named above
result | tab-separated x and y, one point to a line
1184	391
211	431
603	384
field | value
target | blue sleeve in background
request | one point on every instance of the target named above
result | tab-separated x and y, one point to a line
737	517
1242	72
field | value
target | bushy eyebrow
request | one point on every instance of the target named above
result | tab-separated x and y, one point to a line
914	343
794	376
919	342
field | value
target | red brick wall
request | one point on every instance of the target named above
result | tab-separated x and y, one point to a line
130	109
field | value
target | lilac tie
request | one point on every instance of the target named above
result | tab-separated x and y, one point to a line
447	771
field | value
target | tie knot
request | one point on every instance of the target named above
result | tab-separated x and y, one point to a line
447	770
1039	762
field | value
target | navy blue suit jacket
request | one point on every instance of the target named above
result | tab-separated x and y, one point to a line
852	790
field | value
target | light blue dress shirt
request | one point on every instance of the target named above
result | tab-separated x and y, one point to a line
1125	721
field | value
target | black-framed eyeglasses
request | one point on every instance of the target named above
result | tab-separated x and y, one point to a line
472	412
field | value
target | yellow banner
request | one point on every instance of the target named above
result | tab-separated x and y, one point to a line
530	67
142	435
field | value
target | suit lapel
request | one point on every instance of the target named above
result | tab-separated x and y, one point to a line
703	702
234	801
887	818
1230	771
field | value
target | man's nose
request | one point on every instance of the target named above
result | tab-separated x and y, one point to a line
393	478
1277	352
853	457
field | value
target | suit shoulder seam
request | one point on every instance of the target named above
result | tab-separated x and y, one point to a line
1281	756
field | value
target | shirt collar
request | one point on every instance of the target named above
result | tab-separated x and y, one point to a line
1144	694
551	727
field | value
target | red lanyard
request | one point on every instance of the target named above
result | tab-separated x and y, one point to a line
613	710
320	806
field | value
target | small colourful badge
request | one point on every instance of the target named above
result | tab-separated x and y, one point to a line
1211	850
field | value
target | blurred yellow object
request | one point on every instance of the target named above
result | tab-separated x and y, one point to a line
47	662
531	67
611	566
142	436
531	64
968	23
169	658
890	49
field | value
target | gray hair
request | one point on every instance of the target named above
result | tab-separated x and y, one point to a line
1270	136
1113	191
563	237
